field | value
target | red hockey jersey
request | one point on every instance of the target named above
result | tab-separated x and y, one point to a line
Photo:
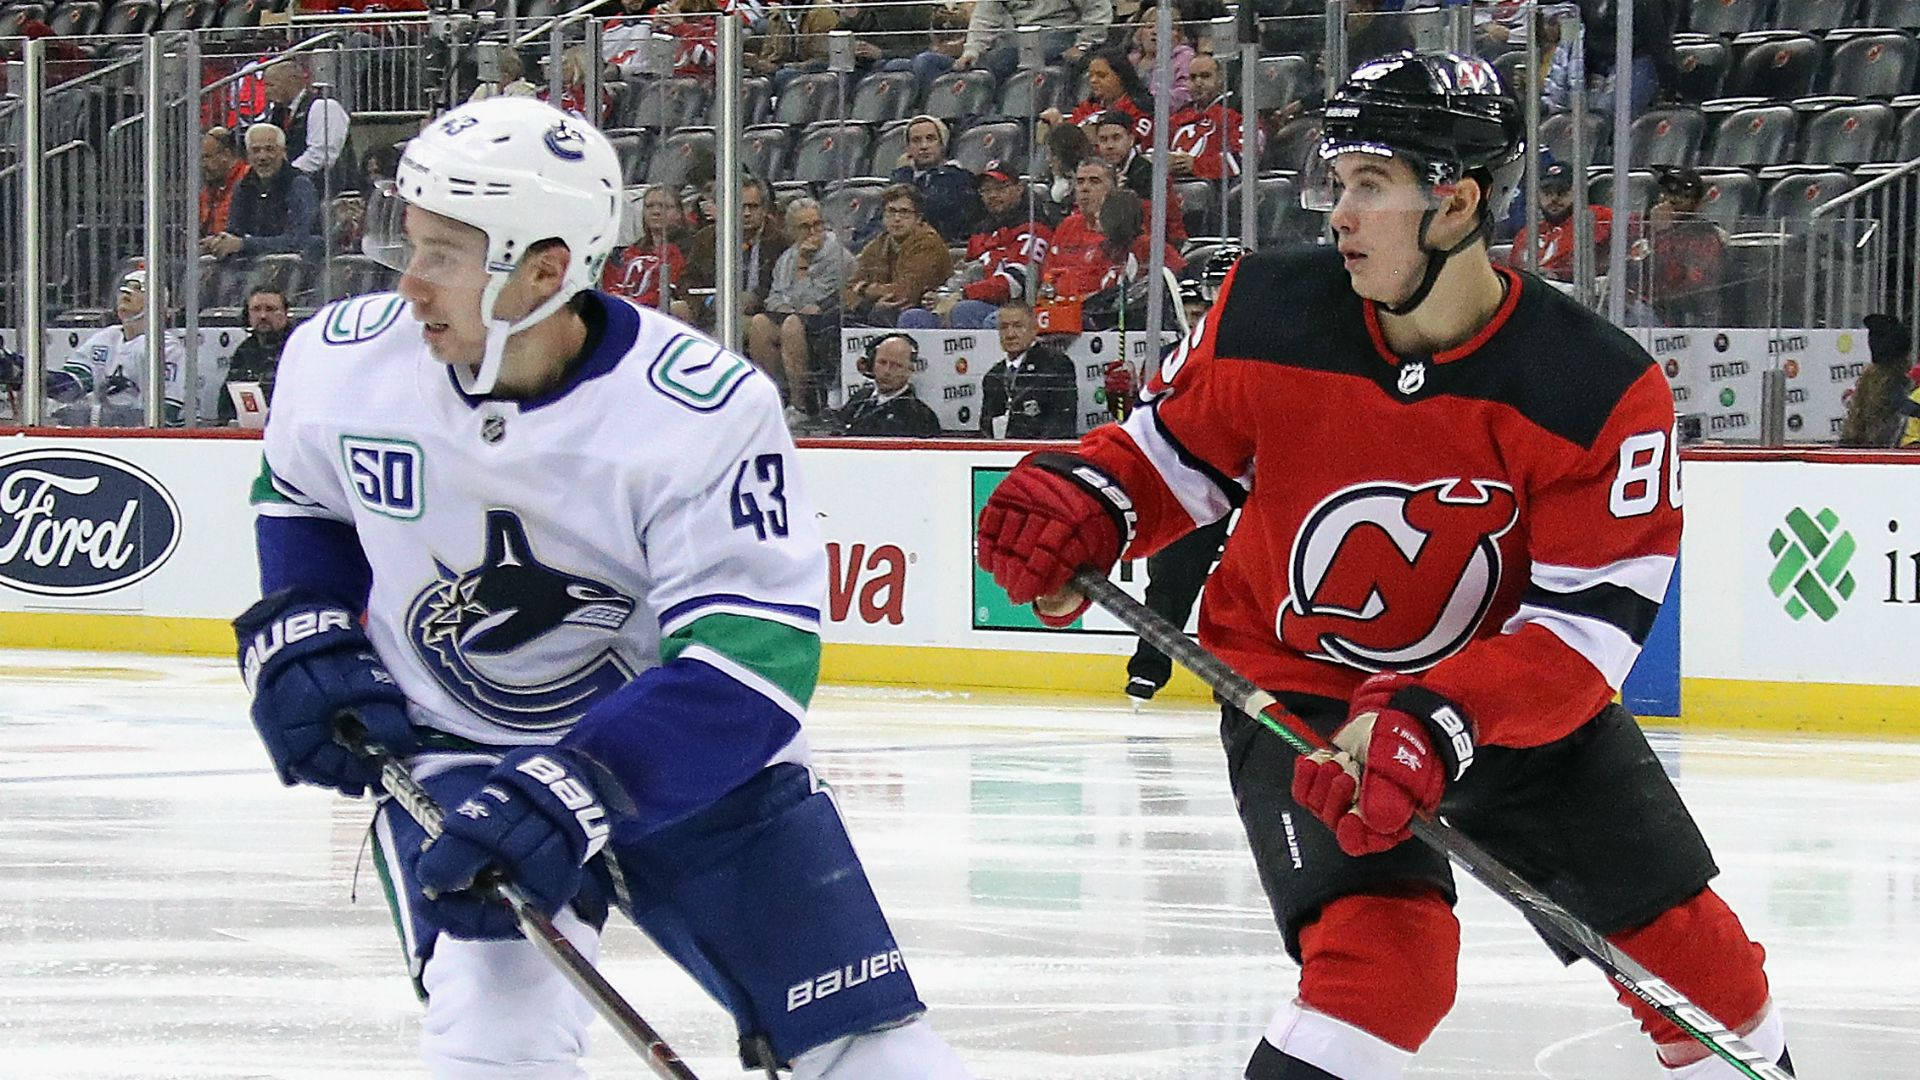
1211	135
1500	518
1091	110
1005	248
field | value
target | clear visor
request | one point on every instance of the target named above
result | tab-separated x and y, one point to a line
452	255
1364	178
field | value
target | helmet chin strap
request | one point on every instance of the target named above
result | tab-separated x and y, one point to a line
480	382
1436	260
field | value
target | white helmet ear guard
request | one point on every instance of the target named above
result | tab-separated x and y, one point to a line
521	172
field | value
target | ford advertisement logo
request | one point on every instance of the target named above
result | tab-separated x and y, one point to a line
74	522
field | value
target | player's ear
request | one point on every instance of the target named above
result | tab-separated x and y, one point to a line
1461	211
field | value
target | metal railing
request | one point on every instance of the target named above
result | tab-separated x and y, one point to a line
1864	254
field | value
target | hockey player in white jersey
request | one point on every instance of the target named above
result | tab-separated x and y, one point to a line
576	533
103	383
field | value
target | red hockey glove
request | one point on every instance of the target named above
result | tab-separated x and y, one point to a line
1400	747
1052	515
1119	381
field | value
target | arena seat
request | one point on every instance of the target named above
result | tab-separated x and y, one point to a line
1005	140
675	155
1813	16
1556	132
1906	140
75	18
1278	217
238	14
831	150
1796	195
130	17
1893	13
1753	136
961	95
756	102
1290	145
883	96
1774	65
667	104
17	15
1726	16
763	149
1702	68
1668	135
1846	134
1873	65
631	146
888	144
807	99
1032	92
1642	188
852	206
1732	194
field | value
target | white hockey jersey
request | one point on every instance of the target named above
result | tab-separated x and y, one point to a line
635	541
110	370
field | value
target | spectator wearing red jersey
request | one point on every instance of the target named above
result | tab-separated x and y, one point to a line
636	271
1076	259
573	88
1206	135
1113	83
1003	256
1557	226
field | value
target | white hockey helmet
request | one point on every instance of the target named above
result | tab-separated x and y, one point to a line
521	171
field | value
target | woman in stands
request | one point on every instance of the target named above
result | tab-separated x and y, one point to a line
1112	83
635	271
1180	54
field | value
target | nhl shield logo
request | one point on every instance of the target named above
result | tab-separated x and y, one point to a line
1413	376
524	644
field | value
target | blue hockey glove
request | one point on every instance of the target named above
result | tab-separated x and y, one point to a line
307	662
537	820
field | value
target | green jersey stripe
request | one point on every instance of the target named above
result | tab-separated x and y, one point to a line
784	656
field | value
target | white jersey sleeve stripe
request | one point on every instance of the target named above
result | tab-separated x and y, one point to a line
1645	574
1199	494
747	678
1608	648
797	616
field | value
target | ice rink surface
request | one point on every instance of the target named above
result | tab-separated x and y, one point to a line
1068	880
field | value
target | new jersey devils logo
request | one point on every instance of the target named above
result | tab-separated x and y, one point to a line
1390	577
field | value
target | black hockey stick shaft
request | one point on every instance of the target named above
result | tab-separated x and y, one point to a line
534	923
1562	925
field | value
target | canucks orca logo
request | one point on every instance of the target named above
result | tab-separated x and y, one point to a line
565	142
517	641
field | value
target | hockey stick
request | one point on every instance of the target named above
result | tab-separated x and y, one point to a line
1562	925
534	923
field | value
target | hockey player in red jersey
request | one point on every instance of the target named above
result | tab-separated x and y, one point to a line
1459	513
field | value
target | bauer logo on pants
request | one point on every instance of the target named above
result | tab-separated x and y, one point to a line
74	522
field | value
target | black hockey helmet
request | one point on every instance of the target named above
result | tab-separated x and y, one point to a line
1445	114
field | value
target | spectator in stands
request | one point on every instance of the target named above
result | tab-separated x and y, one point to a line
1113	138
1557	226
695	23
801	321
1654	65
1003	256
273	209
1375	28
221	168
1687	252
258	357
1179	56
793	41
1879	411
1032	392
624	37
887	406
573	89
1070	29
949	190
513	78
1076	260
378	163
1126	250
1206	136
653	267
1112	83
316	127
886	31
946	40
897	268
761	243
1067	146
